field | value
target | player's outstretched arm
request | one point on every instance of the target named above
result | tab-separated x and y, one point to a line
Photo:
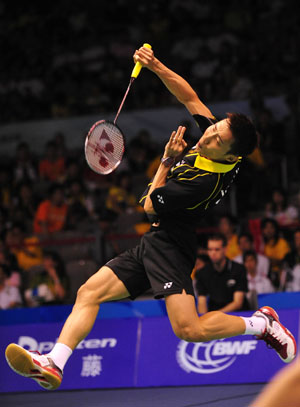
176	84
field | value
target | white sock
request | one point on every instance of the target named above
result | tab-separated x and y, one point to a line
254	325
60	354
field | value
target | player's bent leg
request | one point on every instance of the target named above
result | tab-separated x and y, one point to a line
187	325
46	370
101	287
264	324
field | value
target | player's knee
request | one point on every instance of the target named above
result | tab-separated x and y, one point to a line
189	332
85	295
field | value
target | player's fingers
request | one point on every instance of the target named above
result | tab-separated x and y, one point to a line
181	131
179	134
173	136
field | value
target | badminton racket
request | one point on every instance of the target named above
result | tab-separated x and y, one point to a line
105	142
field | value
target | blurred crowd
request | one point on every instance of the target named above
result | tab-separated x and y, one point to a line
72	60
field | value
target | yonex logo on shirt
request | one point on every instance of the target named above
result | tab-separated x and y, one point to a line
160	199
168	285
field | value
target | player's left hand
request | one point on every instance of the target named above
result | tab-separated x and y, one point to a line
176	143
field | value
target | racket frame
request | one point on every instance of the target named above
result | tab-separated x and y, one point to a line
92	167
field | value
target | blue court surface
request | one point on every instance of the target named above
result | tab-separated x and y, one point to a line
189	396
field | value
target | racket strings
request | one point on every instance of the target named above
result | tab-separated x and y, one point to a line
104	147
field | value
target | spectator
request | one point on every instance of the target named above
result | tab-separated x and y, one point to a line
26	248
227	226
24	166
291	263
52	166
279	209
10	296
52	213
9	261
80	206
221	284
275	248
49	285
119	198
257	283
246	243
25	204
6	191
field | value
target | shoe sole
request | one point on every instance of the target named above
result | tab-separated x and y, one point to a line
21	362
291	336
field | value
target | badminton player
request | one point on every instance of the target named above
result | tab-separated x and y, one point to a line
181	192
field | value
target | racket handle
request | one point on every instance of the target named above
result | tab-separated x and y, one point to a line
138	66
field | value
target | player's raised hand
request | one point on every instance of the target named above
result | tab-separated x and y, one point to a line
176	143
145	56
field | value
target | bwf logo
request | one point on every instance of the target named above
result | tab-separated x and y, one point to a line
212	357
168	285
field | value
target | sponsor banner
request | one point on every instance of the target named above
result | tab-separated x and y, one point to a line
144	352
106	358
167	361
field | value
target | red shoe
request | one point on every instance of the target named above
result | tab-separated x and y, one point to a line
34	365
276	335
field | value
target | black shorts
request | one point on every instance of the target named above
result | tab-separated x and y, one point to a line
155	263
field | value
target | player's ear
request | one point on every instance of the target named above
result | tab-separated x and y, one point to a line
231	158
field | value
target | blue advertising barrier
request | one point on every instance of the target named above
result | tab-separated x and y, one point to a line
142	351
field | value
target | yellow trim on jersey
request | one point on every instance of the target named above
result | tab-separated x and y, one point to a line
213	166
190	179
207	199
143	197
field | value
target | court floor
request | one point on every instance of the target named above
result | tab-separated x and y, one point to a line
189	396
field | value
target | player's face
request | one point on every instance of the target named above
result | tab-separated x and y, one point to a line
216	251
216	142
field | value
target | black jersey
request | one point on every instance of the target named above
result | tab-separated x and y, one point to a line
220	286
193	185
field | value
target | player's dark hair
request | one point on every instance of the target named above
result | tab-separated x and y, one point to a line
218	237
244	134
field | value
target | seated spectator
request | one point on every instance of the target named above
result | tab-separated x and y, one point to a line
246	243
26	248
227	226
279	209
24	168
222	283
10	296
294	283
24	205
257	283
9	261
51	166
275	248
6	188
49	285
51	214
119	198
291	263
